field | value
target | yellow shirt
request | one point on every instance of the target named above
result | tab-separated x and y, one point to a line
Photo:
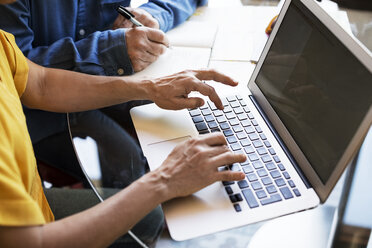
22	200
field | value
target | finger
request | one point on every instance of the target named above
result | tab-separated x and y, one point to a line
230	176
188	102
157	36
211	74
139	65
148	57
227	157
209	91
156	49
214	139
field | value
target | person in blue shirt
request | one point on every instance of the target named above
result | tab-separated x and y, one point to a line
89	36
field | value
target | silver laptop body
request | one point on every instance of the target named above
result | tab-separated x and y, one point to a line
310	97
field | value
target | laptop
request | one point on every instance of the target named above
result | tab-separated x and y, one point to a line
300	121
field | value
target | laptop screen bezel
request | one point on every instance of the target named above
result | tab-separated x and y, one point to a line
362	54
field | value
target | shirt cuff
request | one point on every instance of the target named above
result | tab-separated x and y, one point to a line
113	53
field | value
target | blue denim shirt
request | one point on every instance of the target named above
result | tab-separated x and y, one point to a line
75	35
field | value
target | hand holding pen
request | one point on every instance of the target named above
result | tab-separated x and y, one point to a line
134	17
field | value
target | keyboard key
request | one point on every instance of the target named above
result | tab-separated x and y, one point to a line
217	113
245	142
215	130
275	174
241	135
224	126
297	192
230	115
231	139
235	104
258	129
266	158
246	109
237	207
197	119
242	117
239	97
238	110
261	151
254	122
256	185
237	128
226	183
224	102
252	177
287	194
234	122
194	112
236	198
253	136
235	167
242	102
205	106
249	129
286	175
212	106
212	125
257	143
262	173
257	165
279	182
201	126
263	136
245	163
271	189
204	131
253	157
261	194
246	123
267	143
229	190
276	159
206	112
272	199
227	109
272	151
243	184
291	183
235	146
228	132
231	98
281	167
270	166
221	119
250	116
209	118
266	181
247	169
249	197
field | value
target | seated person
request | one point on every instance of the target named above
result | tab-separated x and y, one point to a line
90	37
26	219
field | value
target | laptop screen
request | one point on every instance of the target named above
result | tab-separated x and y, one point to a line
320	91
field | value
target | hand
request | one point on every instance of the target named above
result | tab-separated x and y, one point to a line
141	15
193	165
144	46
171	92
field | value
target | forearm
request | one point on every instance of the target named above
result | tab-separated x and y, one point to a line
66	91
97	227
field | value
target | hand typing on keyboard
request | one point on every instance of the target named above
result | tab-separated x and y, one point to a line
172	92
194	164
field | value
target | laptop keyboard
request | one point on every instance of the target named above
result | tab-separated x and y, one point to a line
267	180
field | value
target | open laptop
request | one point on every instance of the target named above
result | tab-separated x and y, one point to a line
302	118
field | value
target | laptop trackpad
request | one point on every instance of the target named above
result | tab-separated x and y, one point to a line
158	152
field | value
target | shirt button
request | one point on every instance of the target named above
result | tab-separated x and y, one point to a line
120	71
81	32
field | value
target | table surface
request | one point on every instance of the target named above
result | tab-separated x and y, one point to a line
252	236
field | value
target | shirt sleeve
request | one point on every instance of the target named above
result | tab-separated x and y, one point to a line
100	53
170	13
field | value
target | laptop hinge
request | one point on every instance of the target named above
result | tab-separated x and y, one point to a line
281	143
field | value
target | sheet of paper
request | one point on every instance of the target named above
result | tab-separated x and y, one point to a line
193	34
177	59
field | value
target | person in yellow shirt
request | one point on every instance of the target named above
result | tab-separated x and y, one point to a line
25	216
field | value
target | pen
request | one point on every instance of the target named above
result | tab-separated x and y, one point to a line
126	14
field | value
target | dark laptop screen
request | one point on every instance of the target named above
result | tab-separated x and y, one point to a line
320	91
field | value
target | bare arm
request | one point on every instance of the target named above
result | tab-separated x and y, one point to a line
190	167
65	91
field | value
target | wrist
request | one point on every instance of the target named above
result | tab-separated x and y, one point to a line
158	185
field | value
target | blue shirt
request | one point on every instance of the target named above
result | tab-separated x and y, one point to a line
75	35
